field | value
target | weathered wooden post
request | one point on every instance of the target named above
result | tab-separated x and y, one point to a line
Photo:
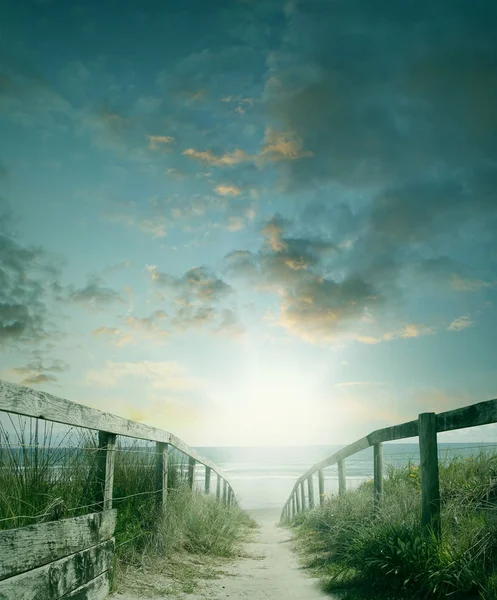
321	486
297	498
342	481
310	489
191	472
207	487
161	461
302	494
378	473
105	470
430	485
218	487
225	491
294	508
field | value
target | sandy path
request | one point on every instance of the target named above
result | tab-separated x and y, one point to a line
273	575
270	571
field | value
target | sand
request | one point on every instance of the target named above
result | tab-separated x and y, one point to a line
269	571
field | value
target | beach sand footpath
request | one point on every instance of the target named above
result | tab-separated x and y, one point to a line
267	570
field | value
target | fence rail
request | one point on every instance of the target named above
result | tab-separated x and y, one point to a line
426	428
28	402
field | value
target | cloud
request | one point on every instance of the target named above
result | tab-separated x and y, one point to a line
460	323
279	145
25	275
93	295
224	160
313	306
371	121
156	141
163	376
196	298
38	372
25	96
228	190
150	327
156	226
113	334
235	224
468	284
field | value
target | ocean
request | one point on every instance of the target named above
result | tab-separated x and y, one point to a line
262	478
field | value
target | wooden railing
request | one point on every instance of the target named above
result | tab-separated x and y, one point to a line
41	405
73	557
426	428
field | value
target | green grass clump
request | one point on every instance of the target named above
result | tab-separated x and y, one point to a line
363	553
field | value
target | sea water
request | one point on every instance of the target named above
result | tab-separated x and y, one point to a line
262	478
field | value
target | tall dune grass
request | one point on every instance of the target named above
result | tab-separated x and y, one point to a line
362	554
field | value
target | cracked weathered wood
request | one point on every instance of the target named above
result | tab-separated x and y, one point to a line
29	547
105	470
59	578
97	589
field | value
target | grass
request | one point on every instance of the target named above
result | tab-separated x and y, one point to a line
46	476
360	553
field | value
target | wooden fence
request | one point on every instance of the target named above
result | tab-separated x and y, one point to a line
426	427
71	558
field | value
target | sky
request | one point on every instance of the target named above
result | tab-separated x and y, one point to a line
251	222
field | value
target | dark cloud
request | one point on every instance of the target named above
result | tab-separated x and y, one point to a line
314	305
25	275
25	95
39	371
94	295
197	299
382	96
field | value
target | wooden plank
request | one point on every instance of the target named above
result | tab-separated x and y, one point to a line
294	506
225	491
396	432
342	479
321	486
310	491
378	473
430	486
97	589
191	472
36	545
61	577
482	413
302	495
218	487
297	499
161	467
207	483
26	401
105	470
